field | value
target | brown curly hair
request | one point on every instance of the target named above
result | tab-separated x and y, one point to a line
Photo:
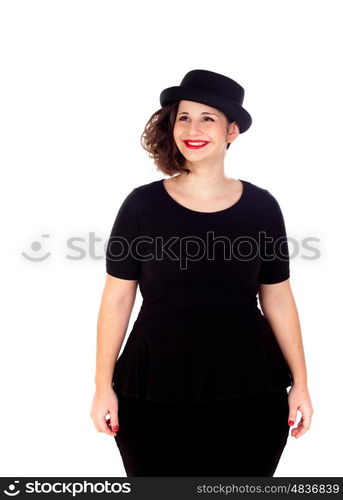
157	139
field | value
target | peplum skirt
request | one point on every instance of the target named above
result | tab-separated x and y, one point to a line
200	358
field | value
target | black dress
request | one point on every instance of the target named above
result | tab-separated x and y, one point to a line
201	367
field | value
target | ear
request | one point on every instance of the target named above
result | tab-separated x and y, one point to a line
233	131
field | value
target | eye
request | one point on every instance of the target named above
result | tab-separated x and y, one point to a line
205	118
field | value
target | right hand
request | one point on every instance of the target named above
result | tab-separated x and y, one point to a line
105	401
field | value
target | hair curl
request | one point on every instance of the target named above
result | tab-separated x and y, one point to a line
157	139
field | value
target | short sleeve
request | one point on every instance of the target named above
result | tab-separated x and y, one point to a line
122	258
274	251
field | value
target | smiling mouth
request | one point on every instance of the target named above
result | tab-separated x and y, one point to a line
195	144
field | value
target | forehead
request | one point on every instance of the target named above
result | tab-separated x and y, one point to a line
197	107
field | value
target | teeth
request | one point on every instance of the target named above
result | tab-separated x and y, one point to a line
195	143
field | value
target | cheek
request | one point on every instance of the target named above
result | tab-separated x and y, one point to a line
177	131
220	134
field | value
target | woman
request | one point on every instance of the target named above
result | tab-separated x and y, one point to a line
200	388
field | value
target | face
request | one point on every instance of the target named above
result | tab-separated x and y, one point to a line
198	122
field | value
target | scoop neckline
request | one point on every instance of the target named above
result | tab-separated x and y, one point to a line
190	210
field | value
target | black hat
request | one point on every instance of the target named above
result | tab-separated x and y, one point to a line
213	89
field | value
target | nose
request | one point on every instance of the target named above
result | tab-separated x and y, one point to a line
194	129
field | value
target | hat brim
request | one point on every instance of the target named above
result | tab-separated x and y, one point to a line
228	107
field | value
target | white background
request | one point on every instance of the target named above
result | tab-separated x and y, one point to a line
80	79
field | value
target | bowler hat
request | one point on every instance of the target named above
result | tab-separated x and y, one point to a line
213	89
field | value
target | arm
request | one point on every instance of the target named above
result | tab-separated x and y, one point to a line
115	310
279	308
116	306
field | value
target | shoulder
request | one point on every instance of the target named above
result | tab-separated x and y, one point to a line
144	191
262	197
140	196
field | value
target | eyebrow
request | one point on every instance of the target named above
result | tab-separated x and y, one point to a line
203	113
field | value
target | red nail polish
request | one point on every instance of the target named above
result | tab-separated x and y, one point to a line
115	427
290	422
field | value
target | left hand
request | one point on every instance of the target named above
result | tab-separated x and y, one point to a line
299	399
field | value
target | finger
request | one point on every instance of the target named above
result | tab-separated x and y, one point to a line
296	430
113	430
103	425
305	420
297	433
292	416
306	417
300	429
114	421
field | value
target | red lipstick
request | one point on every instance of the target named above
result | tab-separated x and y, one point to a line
195	144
